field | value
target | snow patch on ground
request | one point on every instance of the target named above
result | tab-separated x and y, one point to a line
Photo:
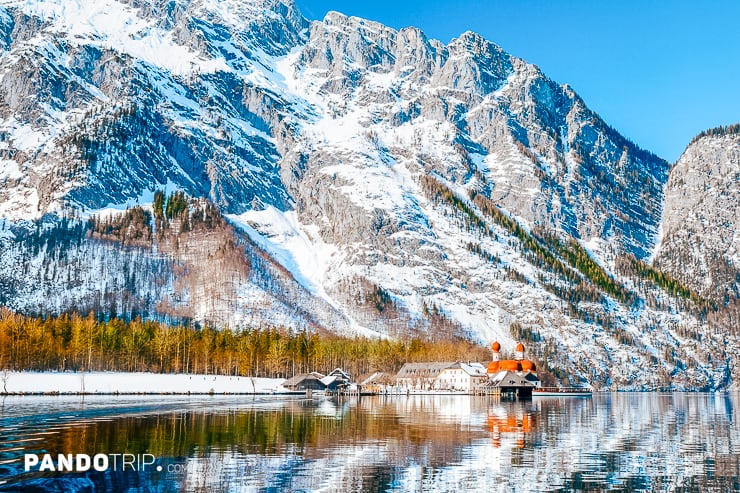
145	199
658	242
297	247
120	382
24	136
597	249
9	170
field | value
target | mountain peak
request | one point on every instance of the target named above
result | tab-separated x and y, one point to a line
471	38
374	180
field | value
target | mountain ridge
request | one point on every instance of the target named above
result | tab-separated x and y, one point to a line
384	182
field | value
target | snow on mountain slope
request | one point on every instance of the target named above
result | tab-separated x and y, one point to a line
442	104
112	25
102	101
702	198
374	181
299	251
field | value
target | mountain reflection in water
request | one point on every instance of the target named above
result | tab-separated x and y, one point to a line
628	442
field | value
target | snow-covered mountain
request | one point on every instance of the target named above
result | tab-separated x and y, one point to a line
372	181
700	239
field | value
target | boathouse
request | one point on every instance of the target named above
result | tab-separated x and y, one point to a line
510	384
337	379
341	377
510	377
305	381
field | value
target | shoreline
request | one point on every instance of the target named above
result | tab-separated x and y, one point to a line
178	394
19	383
55	383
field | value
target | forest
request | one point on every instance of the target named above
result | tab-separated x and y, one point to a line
73	342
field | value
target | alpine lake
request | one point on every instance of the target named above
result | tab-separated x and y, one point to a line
608	442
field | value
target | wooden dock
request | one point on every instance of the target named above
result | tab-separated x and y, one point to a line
562	392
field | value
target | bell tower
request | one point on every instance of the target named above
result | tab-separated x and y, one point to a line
519	354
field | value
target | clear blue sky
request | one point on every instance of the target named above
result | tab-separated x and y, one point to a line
657	71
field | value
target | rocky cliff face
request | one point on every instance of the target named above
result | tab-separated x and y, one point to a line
479	117
373	181
184	93
700	242
105	101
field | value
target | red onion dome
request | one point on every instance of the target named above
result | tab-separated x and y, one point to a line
510	364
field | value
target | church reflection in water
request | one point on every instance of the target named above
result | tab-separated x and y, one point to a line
514	424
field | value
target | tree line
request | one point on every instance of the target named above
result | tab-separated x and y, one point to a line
73	342
543	248
176	211
720	131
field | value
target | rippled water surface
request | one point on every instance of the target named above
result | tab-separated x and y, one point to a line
617	442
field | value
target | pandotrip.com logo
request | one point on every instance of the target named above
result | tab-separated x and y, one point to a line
96	462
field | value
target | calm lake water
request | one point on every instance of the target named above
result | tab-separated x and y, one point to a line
615	442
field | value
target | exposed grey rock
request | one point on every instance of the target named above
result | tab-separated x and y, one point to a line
700	243
318	139
578	168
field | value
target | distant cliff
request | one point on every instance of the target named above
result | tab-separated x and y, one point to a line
700	240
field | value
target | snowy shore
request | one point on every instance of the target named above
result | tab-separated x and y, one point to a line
133	383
